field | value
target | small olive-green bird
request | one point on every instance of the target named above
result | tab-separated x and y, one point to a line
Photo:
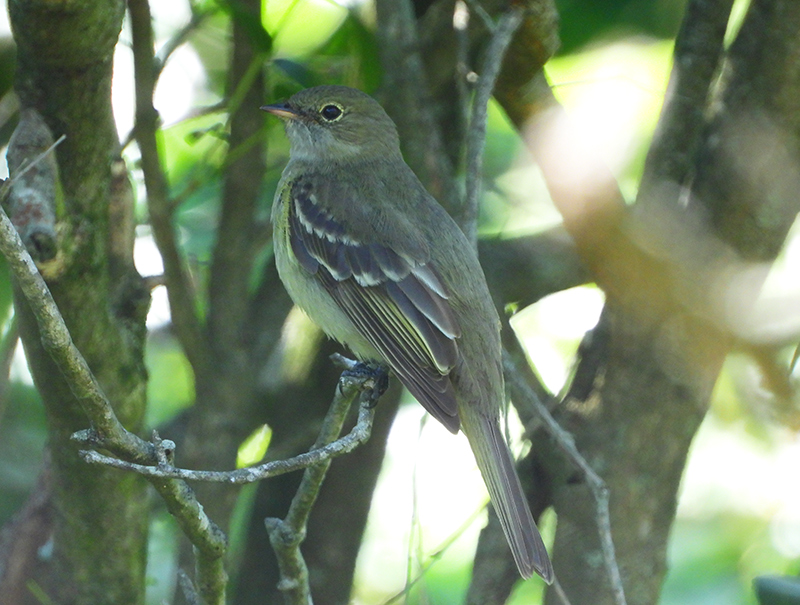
380	266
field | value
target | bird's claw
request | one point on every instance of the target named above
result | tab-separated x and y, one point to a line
374	380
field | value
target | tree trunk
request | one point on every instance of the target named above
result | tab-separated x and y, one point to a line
100	515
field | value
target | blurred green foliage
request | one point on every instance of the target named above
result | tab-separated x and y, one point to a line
170	387
706	560
588	21
23	434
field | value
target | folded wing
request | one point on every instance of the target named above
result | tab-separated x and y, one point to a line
398	303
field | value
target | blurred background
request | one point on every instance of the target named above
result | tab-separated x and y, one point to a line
739	509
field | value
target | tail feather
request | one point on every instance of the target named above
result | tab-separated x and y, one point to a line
497	468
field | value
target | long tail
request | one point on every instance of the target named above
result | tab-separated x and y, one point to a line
497	468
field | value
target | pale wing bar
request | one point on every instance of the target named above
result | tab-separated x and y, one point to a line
399	304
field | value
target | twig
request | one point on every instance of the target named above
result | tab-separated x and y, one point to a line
31	203
187	588
437	555
464	75
210	575
358	435
171	45
36	160
58	343
286	535
415	540
504	31
522	392
181	295
484	16
559	591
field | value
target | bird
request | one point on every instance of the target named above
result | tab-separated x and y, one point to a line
375	261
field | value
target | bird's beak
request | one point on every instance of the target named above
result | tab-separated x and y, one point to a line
282	110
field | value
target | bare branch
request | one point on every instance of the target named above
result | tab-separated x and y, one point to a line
58	343
508	23
287	534
358	435
210	574
523	394
181	295
171	45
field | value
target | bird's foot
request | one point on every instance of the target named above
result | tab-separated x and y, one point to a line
374	378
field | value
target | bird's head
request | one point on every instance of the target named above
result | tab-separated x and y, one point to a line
336	123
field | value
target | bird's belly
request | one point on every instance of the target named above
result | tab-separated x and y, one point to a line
308	294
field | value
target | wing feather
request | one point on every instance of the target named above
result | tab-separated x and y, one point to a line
431	304
431	388
397	302
299	247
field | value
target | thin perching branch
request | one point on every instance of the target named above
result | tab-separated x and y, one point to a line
286	535
108	433
522	393
182	298
55	336
358	435
502	35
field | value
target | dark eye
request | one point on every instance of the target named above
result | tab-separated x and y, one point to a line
331	112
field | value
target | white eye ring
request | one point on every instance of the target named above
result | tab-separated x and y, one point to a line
331	112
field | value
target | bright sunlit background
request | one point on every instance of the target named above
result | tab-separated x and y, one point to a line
739	510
